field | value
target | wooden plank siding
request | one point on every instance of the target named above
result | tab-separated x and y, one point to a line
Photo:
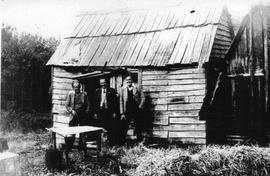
61	84
176	97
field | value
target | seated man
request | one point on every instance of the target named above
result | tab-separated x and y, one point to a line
77	107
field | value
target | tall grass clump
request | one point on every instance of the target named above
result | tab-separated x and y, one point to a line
236	160
149	161
130	157
211	161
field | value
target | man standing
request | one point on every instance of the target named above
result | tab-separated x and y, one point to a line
131	102
77	107
106	108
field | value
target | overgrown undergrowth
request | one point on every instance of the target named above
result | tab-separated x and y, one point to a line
141	160
23	120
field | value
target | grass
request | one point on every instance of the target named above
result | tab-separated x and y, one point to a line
31	149
143	161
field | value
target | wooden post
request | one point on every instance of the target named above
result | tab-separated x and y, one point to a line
233	93
215	88
266	61
140	79
51	94
251	60
99	143
54	140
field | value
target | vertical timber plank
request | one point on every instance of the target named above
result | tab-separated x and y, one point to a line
140	79
251	60
233	94
51	91
266	60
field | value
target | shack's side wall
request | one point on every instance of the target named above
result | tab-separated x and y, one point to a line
176	98
61	85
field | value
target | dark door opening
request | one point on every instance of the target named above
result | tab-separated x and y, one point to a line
90	85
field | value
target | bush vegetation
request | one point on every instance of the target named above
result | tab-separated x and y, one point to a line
23	120
25	79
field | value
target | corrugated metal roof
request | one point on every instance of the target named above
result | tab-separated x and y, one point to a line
180	34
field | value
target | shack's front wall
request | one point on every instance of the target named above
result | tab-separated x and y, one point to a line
176	97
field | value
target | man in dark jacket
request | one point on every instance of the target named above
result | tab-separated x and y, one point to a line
106	108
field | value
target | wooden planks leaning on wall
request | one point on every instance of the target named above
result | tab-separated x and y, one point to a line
176	97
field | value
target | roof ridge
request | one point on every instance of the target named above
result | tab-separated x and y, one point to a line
145	32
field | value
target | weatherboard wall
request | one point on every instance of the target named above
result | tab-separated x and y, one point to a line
176	97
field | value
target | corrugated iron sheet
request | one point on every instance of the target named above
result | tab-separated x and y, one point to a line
181	34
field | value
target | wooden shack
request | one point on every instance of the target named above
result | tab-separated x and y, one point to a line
242	96
170	51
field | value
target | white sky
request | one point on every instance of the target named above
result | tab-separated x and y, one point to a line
55	18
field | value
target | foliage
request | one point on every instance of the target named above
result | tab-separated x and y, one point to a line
23	121
24	76
130	156
31	149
